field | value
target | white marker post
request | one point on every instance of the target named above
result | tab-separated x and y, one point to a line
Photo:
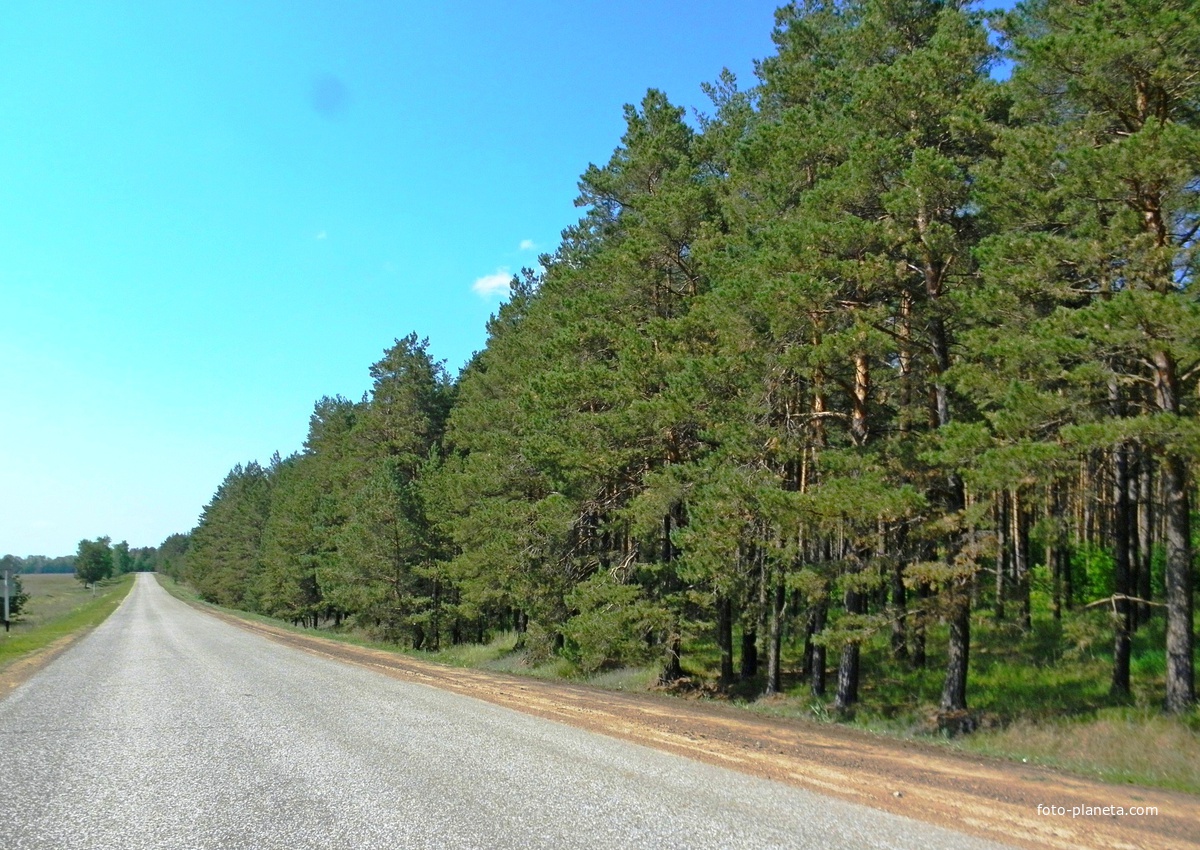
6	600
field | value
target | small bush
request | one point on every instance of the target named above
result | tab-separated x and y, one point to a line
612	627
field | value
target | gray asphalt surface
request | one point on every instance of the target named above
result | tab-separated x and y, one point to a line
166	728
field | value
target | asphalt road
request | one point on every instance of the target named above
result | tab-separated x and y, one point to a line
166	728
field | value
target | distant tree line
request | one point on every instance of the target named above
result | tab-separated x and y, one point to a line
40	564
873	348
99	559
145	559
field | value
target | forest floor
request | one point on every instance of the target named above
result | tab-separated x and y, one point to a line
1026	805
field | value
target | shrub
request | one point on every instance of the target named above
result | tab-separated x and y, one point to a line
613	625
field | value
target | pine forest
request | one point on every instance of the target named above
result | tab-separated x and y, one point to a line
850	384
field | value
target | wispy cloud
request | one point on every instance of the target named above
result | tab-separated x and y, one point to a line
527	245
494	284
321	235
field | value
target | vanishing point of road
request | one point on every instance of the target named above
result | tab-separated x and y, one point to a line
168	728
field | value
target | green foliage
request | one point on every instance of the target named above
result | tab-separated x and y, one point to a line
94	560
170	557
17	597
122	559
613	625
223	554
1093	569
41	564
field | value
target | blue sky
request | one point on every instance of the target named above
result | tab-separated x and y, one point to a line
212	214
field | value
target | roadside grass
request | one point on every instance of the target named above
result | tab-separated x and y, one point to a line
1120	745
58	606
1039	697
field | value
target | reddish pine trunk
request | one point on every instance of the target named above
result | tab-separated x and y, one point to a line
1181	684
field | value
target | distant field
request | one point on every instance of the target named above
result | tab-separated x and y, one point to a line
50	596
58	605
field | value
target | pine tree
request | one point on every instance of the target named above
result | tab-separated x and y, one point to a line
1100	200
223	561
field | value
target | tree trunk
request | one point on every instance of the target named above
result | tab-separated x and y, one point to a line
1133	463
810	619
1002	559
749	657
672	667
847	681
1120	528
1181	682
1020	551
816	663
725	639
954	691
1145	521
918	630
749	667
435	628
775	642
899	614
848	664
1068	578
862	386
1052	543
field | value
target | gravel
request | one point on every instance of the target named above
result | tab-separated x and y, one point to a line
166	728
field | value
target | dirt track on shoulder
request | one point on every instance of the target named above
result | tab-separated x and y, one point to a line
986	797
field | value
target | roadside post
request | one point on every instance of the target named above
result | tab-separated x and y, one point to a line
6	600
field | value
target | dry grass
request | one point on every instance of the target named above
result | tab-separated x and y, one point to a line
1121	745
51	595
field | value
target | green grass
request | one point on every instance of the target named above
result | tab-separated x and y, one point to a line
58	606
1040	697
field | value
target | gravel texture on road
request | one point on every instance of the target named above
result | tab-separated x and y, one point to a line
166	728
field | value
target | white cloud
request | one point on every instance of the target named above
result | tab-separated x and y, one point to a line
527	245
321	235
492	284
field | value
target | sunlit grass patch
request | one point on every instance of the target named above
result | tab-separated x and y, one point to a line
1136	745
518	663
474	654
626	679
